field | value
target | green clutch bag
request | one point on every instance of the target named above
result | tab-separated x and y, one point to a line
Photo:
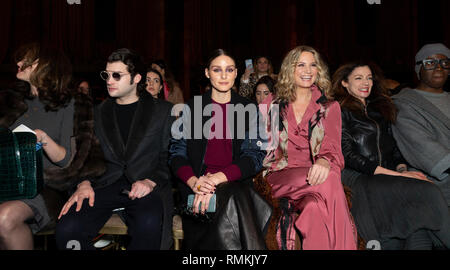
21	175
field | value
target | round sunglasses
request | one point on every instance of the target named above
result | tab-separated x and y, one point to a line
115	75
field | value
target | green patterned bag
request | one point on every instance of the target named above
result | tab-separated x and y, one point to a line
21	175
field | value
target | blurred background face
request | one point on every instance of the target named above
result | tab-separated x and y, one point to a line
84	87
262	91
306	70
222	73
262	65
154	84
159	69
360	83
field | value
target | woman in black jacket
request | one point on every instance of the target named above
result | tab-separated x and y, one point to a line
400	209
213	152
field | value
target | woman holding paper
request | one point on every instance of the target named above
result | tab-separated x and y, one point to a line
43	103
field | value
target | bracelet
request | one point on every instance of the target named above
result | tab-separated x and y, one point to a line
402	169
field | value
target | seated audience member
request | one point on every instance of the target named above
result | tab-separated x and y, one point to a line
264	88
134	133
220	160
261	67
84	87
399	208
154	82
44	102
305	166
422	130
172	91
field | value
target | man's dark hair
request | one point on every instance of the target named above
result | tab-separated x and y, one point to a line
134	64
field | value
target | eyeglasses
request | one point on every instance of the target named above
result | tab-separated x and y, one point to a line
430	64
115	75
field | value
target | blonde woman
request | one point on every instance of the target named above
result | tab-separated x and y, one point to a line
306	165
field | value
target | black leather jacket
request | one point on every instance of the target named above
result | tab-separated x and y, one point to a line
367	141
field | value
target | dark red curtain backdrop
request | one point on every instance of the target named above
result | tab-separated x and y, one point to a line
185	32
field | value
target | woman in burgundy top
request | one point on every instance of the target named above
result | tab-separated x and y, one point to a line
305	165
216	152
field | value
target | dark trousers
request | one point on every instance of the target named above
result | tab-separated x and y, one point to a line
143	217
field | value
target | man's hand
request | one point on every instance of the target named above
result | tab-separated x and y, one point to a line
84	191
141	188
416	175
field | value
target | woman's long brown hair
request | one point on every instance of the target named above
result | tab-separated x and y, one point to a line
51	76
378	97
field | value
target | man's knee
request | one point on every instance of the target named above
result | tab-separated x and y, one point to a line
151	218
69	227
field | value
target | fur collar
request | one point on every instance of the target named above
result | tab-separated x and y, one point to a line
88	161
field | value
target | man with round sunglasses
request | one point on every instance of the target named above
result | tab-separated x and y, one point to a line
422	130
134	131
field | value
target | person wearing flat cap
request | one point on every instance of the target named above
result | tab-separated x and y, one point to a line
422	130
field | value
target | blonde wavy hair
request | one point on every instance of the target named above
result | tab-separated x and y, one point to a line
286	88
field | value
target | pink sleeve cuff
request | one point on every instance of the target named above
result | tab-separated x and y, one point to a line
185	172
232	172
